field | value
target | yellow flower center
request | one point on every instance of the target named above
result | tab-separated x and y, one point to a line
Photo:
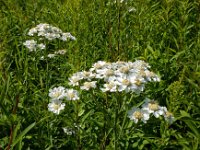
142	73
88	84
71	95
137	115
169	114
97	66
110	85
75	79
109	72
153	106
57	94
124	69
56	106
86	74
126	82
138	82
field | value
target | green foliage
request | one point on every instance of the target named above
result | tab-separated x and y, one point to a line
164	33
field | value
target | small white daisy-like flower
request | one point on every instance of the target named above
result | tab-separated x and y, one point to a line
125	69
56	106
140	64
57	93
104	73
75	78
98	65
68	131
41	46
72	94
169	117
132	9
152	107
87	75
123	84
110	86
51	55
151	76
66	36
60	52
32	31
31	45
42	58
137	114
88	85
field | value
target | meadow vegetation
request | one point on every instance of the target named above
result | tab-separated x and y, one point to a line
161	34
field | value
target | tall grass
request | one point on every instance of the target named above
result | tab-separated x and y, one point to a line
164	33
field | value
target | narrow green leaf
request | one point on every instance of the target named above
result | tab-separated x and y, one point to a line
22	134
86	115
192	126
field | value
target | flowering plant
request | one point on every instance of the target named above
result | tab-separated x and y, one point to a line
113	80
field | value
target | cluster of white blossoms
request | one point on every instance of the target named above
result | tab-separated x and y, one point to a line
56	53
118	76
125	2
150	107
57	95
50	32
45	31
32	45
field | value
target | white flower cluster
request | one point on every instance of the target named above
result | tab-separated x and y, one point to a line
45	31
32	45
148	108
118	76
59	52
57	94
68	131
50	32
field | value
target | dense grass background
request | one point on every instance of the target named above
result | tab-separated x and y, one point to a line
164	33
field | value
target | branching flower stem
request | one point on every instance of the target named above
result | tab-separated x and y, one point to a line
13	126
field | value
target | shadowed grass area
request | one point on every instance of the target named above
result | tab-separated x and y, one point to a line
164	33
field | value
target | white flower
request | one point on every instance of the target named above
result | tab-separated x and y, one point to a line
75	78
57	92
42	58
56	106
60	52
51	55
123	84
104	73
124	68
152	107
31	45
132	9
52	36
140	64
41	46
66	36
126	76
32	31
88	85
110	86
151	76
50	32
169	117
87	75
72	94
68	131
130	83
137	114
98	65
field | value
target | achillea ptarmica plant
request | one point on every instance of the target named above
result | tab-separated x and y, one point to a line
46	32
118	76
